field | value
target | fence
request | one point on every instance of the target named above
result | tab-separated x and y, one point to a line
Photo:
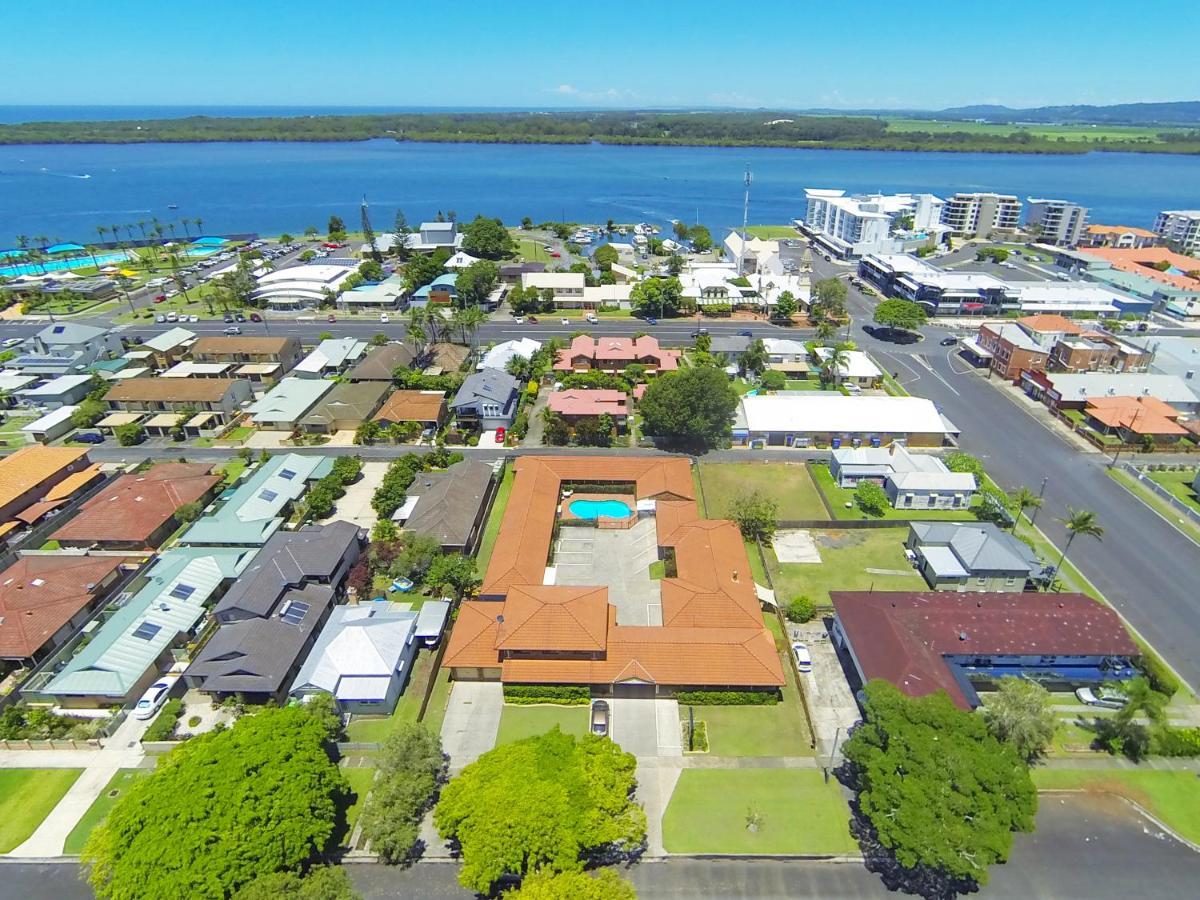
1161	492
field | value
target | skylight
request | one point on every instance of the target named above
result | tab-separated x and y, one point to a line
182	591
287	474
147	630
267	495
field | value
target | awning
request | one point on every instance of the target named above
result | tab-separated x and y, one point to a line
8	526
971	345
113	420
765	595
164	420
199	420
402	514
34	512
257	369
73	482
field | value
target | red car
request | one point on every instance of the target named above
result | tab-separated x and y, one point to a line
556	254
532	320
255	317
160	298
500	432
331	318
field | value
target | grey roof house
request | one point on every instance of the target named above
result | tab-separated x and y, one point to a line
363	657
269	619
974	556
381	362
448	505
911	480
66	348
487	398
286	404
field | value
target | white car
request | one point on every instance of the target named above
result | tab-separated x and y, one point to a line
12	342
1105	698
519	320
154	698
803	657
565	321
193	318
383	318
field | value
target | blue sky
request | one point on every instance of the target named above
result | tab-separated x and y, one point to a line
795	53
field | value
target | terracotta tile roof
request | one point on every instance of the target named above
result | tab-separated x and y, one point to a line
133	507
40	594
903	637
1121	229
412	406
1140	262
73	482
1049	322
31	466
182	390
618	351
712	632
580	402
1141	415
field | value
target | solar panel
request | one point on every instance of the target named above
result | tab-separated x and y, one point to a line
267	495
182	591
147	630
287	474
295	612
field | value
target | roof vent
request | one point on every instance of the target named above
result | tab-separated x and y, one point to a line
962	635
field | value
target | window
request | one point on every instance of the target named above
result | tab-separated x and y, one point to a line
182	591
267	495
147	630
1010	581
981	581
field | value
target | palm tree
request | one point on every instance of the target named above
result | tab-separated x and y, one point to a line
1023	498
102	231
469	319
1077	522
91	251
142	226
831	369
199	226
826	329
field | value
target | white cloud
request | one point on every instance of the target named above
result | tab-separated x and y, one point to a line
604	95
565	89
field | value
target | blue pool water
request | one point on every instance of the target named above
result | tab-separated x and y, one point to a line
596	509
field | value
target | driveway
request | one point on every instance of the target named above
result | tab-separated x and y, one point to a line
830	697
649	729
355	505
472	721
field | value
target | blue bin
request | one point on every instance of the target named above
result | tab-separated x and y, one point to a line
835	443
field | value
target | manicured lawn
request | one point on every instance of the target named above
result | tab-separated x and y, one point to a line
435	712
838	497
1179	484
771	232
360	782
532	251
788	484
804	384
1172	797
375	729
233	469
26	798
237	435
1157	503
799	813
518	722
100	807
492	530
51	545
11	435
845	557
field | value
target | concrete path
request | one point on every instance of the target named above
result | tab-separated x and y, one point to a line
796	546
656	780
472	721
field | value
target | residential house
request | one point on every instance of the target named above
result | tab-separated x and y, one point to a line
1096	352
345	407
65	390
510	273
442	291
51	426
331	357
1135	419
46	599
381	297
615	354
38	479
576	404
728	347
258	506
287	403
1124	237
221	398
461	260
128	651
487	399
435	236
856	368
911	480
943	641
567	287
281	353
170	347
803	418
787	356
1065	390
426	408
12	381
449	505
381	362
139	511
66	348
499	356
190	369
971	556
268	621
363	658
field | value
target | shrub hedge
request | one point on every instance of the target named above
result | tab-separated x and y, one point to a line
163	727
1175	742
1161	678
530	694
728	698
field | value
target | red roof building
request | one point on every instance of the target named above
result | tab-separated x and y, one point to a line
937	640
613	354
45	599
577	404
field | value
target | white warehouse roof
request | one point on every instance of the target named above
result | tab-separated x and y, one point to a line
804	412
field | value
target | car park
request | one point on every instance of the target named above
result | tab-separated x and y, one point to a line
803	657
600	717
154	698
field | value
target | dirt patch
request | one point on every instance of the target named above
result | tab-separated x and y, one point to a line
840	540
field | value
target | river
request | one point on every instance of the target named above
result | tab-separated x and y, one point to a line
65	191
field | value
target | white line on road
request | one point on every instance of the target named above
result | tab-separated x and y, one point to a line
928	365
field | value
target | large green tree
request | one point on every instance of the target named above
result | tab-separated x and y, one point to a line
828	302
546	803
320	883
487	238
900	314
657	297
1020	713
223	809
409	767
940	793
692	408
604	257
756	514
476	281
604	885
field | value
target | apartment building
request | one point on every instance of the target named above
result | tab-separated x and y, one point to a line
222	397
1182	227
1059	222
980	214
857	225
284	352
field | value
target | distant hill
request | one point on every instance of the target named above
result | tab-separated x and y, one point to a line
1180	112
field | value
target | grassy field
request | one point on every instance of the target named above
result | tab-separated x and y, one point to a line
11	437
788	484
772	232
360	782
233	470
1050	132
435	712
845	557
799	813
518	722
532	251
26	798
1157	503
838	498
375	729
1171	797
1179	484
100	807
492	530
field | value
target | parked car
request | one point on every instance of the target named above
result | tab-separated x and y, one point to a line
948	341
228	317
154	698
1105	698
88	437
161	298
501	433
519	320
193	318
650	320
803	657
161	317
533	320
600	717
852	388
239	318
555	254
233	329
172	316
12	342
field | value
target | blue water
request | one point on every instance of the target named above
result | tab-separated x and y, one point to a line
273	187
596	509
80	262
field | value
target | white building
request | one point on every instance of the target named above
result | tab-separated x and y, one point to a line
567	287
802	418
1060	222
875	223
331	357
1182	227
980	214
856	368
498	357
298	287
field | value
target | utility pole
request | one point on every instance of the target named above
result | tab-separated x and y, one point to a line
745	222
1041	493
1132	425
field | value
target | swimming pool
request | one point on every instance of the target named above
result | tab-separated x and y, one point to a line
62	265
600	509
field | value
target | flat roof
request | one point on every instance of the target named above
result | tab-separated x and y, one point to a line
805	412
